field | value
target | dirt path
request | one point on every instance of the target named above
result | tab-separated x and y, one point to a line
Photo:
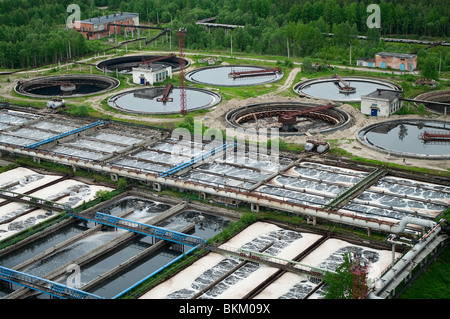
289	81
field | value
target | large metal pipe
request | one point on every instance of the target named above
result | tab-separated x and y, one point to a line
416	221
381	283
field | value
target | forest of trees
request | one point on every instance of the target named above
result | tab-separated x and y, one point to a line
32	32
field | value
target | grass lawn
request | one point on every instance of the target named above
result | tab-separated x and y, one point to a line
433	283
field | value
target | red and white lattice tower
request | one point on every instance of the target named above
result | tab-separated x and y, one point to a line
359	269
183	100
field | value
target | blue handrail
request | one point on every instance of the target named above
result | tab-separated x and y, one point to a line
43	285
57	137
196	159
145	229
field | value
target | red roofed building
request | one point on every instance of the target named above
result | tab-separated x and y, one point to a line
100	27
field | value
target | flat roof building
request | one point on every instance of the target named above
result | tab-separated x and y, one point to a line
368	62
100	27
396	61
150	74
381	103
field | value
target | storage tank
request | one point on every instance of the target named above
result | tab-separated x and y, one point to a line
56	103
309	147
323	148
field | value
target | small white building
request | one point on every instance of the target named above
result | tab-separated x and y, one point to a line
150	74
381	103
366	62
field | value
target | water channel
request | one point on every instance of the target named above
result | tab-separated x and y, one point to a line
207	226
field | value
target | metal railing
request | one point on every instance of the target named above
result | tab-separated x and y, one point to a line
273	261
43	285
33	201
367	181
144	229
57	137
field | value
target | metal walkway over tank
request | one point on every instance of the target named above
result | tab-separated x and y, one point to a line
32	200
435	136
262	72
144	229
108	220
57	137
272	261
43	285
165	98
355	190
199	158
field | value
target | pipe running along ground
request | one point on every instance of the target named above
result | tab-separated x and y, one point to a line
382	283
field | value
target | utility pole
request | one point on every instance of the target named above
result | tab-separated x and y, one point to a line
231	35
170	37
181	43
287	41
350	54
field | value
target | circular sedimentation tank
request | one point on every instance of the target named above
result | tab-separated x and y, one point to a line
270	115
331	88
146	100
125	64
408	138
441	96
235	75
70	85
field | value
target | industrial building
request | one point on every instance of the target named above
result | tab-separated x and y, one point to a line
102	27
367	62
381	103
396	61
150	74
